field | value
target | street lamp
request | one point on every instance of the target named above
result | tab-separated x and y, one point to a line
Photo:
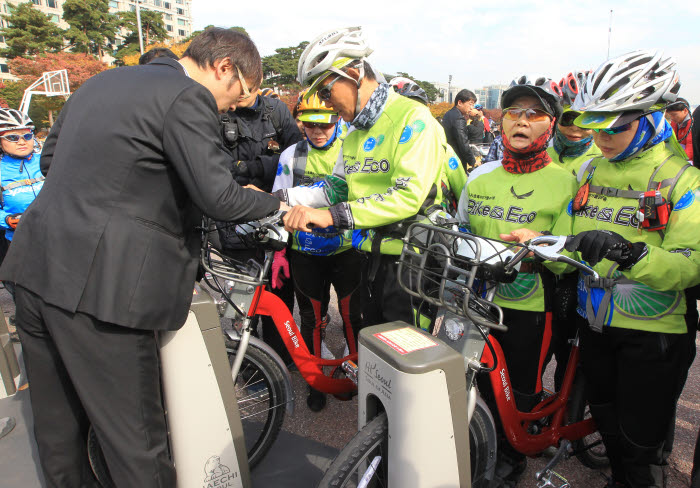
138	25
449	89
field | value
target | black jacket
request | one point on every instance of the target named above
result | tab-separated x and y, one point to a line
133	156
261	134
458	136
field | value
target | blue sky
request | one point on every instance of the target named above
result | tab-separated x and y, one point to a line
480	45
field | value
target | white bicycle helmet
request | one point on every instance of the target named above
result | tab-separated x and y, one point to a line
329	53
634	81
11	119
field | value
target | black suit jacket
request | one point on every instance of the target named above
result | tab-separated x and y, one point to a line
457	136
133	156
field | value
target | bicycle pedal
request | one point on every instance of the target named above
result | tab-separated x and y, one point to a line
552	479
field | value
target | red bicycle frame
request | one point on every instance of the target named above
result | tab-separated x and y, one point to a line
310	366
515	422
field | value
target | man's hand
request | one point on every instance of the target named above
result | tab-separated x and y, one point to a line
305	218
284	207
520	235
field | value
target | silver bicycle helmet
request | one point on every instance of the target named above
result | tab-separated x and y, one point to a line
11	119
635	81
571	85
331	51
409	88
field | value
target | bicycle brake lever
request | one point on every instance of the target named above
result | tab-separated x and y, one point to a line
550	252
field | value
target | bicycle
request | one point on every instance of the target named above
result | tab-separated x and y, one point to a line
458	273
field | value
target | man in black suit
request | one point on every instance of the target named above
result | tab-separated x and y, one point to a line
108	252
457	131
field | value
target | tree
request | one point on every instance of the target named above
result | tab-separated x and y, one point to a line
439	109
430	91
196	33
132	58
79	66
281	68
92	27
29	32
152	26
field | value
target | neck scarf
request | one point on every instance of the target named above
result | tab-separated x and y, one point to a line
653	129
566	148
369	115
528	159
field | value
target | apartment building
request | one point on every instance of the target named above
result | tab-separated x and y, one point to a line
177	15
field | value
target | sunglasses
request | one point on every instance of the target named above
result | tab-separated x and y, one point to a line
244	85
16	137
568	118
531	114
324	94
311	125
615	130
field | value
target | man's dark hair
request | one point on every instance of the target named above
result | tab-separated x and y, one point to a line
216	43
157	52
679	105
464	96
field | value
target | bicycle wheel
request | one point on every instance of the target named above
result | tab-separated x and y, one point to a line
479	452
97	460
262	399
593	454
369	447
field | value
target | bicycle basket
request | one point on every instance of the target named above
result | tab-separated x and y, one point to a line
455	270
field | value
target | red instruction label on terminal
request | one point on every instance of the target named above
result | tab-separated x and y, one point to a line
405	340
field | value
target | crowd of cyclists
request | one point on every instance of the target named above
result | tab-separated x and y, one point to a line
591	156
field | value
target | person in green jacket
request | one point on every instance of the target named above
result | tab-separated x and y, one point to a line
524	190
572	145
391	168
636	216
319	261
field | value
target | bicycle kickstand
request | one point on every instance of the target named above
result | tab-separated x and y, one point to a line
550	479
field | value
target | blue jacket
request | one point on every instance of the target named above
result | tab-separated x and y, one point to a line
16	200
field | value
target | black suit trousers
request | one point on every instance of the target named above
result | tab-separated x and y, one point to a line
81	371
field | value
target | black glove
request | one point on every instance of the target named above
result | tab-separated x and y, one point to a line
251	169
596	245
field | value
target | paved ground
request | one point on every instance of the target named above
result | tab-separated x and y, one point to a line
310	440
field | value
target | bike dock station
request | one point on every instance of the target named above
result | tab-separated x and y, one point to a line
419	381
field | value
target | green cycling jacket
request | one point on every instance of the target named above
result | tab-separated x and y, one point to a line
650	295
389	174
496	202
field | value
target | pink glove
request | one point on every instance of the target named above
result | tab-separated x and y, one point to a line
279	263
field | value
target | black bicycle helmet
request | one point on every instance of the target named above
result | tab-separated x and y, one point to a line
547	91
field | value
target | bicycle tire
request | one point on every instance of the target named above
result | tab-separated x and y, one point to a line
577	410
262	420
349	465
347	468
262	399
479	452
97	460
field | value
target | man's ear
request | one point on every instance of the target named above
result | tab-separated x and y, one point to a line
354	72
223	69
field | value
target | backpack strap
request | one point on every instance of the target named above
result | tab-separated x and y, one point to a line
301	155
269	113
